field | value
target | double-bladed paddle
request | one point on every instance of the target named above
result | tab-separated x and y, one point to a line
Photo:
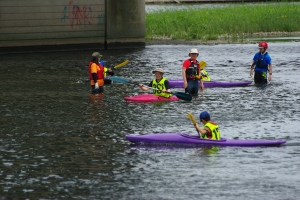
180	95
121	64
192	118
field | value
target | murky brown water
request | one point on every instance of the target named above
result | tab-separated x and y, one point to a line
58	143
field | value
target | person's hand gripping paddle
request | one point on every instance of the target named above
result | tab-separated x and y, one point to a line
192	118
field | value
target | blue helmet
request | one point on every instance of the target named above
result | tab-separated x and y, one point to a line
204	115
102	63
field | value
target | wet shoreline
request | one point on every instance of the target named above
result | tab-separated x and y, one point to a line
248	39
193	1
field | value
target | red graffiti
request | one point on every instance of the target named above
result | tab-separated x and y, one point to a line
78	15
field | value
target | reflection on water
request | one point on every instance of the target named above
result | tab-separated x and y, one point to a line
59	142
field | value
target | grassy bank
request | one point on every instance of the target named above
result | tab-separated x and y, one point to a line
230	22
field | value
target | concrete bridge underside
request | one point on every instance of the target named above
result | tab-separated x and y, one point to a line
72	24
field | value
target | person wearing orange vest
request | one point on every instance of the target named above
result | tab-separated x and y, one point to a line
96	73
210	130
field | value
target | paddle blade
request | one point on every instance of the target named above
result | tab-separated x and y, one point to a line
121	64
192	118
202	64
183	96
119	79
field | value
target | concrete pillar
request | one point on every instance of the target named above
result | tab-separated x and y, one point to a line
125	23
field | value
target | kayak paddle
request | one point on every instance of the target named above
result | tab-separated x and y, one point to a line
121	80
180	95
121	64
192	118
202	64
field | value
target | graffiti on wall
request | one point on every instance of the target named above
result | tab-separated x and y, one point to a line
83	15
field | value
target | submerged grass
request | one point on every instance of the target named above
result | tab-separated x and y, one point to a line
232	21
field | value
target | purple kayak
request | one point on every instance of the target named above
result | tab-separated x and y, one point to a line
182	138
178	83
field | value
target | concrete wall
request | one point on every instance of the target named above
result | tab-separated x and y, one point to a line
126	22
71	22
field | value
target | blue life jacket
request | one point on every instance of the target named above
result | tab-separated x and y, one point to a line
260	63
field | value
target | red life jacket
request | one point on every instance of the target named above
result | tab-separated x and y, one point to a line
192	73
100	71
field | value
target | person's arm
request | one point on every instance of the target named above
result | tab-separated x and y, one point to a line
110	72
252	68
167	86
145	88
270	69
185	65
95	77
94	72
253	64
201	84
205	131
185	83
270	72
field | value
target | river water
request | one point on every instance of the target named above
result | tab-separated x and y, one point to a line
57	142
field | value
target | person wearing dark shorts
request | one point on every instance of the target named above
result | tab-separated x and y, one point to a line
261	65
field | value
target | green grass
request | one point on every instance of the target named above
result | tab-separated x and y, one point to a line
231	21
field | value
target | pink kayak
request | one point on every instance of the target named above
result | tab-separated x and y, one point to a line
149	98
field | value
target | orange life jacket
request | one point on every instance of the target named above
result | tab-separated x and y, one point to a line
100	74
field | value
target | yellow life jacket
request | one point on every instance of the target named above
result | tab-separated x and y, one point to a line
161	86
214	128
205	76
105	71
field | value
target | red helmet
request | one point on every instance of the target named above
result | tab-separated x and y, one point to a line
263	45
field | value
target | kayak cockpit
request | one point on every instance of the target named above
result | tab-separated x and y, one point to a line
196	137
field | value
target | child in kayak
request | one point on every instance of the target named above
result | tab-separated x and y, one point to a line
107	71
160	83
210	130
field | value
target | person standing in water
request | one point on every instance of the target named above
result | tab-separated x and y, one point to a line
261	65
191	74
96	73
